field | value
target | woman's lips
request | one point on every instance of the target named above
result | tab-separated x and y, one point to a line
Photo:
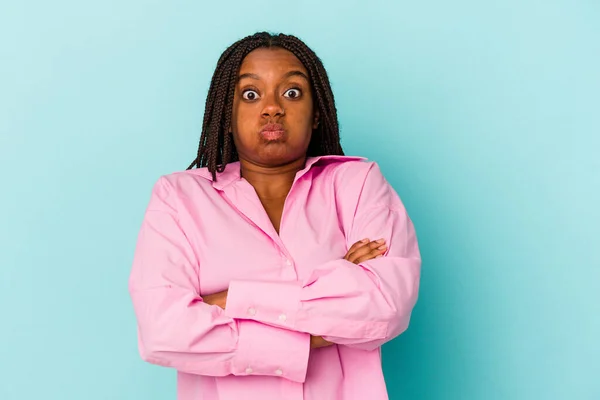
272	132
272	135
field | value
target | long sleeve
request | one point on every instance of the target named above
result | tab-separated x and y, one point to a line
176	329
361	305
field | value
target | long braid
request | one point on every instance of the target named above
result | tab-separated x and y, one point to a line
216	148
208	112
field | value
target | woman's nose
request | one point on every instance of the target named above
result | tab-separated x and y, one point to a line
272	107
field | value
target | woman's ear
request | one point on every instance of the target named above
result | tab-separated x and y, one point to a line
316	119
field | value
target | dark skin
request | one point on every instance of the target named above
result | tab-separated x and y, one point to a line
274	88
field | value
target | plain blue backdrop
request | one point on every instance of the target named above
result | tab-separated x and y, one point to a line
484	115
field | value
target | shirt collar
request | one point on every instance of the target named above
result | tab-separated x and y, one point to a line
232	170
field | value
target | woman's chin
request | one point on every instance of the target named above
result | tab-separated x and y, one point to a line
278	155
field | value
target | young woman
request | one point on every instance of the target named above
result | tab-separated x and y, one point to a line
278	267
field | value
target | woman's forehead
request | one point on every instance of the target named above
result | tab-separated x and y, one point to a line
271	61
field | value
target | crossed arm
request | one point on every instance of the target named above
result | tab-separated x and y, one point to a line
360	251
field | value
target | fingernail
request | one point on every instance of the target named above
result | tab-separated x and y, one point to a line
381	255
382	247
364	240
380	241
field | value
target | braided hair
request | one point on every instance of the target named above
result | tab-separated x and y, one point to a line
216	148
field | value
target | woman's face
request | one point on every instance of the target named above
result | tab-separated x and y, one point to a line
273	112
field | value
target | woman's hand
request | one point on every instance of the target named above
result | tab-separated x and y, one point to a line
365	250
316	342
217	299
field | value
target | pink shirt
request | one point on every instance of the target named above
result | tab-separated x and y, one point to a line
202	237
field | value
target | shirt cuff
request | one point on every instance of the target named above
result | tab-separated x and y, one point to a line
269	351
272	303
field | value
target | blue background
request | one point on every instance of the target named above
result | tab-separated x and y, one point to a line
485	117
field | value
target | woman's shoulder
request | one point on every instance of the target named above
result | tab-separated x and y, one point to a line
178	182
354	177
201	175
347	169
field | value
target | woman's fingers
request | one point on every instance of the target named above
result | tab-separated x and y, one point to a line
366	251
373	254
356	246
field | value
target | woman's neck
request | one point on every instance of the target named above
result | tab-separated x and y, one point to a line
271	183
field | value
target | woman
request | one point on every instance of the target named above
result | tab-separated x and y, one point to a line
278	267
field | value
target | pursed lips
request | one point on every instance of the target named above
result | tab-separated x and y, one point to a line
272	131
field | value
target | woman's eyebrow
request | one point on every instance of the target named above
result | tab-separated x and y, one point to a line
287	75
296	73
248	75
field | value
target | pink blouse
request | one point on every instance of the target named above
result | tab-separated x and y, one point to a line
201	237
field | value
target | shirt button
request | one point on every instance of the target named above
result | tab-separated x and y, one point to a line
252	311
249	370
288	263
282	317
279	372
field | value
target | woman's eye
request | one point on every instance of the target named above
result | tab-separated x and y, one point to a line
249	95
293	93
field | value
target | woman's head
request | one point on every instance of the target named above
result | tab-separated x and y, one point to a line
269	103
